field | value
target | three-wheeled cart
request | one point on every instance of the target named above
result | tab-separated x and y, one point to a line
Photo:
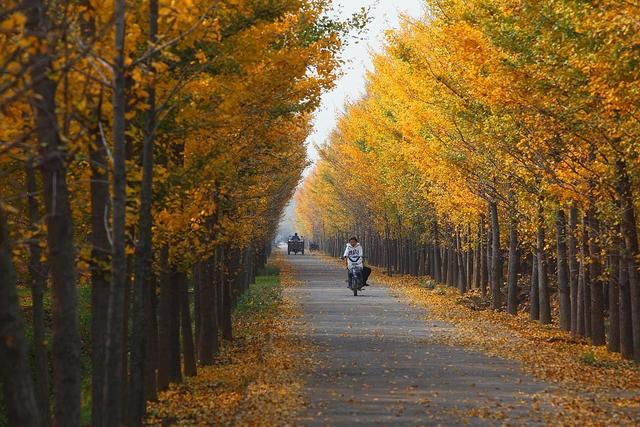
295	246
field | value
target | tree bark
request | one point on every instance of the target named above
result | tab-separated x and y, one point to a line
580	310
614	299
113	410
573	266
175	371
143	251
197	272
100	246
100	258
534	295
586	277
448	272
208	340
164	321
151	332
496	258
484	258
437	261
468	258
595	267
189	357
543	278
61	251
631	253
563	277
226	277
19	394
38	281
489	253
626	333
512	278
477	264
462	279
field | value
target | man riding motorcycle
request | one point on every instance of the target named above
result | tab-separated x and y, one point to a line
353	258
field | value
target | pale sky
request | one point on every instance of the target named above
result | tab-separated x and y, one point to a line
386	14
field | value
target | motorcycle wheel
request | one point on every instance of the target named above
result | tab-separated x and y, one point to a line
355	291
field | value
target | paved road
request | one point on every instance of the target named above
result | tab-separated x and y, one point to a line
378	366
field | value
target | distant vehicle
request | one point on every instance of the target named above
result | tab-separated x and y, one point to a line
314	246
295	246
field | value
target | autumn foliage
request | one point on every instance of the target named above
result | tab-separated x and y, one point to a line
496	148
147	150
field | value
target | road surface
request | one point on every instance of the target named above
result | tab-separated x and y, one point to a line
378	363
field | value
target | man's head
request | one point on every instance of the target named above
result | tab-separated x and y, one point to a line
353	240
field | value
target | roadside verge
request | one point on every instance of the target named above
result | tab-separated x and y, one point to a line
257	378
595	387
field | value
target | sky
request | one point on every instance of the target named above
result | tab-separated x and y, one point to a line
386	14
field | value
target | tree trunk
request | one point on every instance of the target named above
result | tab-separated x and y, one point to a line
125	337
143	251
496	258
534	295
626	333
19	394
38	281
631	253
451	262
512	278
477	265
469	257
197	274
175	371
398	255
189	357
543	278
462	279
595	266
489	254
100	257
614	299
208	341
226	278
435	257
580	310
445	263
484	259
563	277
573	266
586	277
151	340
164	321
61	251
100	245
114	381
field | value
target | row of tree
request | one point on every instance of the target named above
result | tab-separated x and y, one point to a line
147	150
497	148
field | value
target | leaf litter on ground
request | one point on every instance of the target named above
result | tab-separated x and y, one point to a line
257	378
592	387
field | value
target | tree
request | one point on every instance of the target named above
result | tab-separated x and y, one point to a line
22	407
61	254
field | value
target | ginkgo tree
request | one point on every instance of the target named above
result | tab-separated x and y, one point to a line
147	151
496	147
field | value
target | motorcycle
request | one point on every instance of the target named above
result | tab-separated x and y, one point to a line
355	281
